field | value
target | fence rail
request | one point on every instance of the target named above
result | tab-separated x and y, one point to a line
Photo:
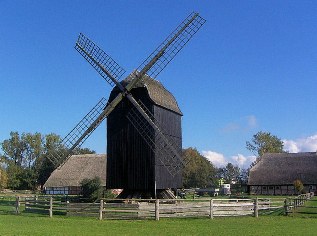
161	208
291	204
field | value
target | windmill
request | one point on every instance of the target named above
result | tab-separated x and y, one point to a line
143	118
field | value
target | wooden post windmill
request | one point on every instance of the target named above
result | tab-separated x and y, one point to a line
144	140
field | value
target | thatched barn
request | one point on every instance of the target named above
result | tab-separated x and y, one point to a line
67	179
275	173
132	165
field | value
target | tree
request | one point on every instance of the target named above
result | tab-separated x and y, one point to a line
298	185
14	173
83	151
229	173
243	177
13	149
3	178
91	188
43	166
265	142
199	172
33	148
26	158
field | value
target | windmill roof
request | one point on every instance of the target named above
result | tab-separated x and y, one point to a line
284	168
77	168
157	93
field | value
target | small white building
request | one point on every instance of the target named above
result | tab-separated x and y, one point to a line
226	189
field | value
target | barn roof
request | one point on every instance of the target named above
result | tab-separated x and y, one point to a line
284	168
157	93
77	168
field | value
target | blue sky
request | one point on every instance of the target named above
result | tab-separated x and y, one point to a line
252	67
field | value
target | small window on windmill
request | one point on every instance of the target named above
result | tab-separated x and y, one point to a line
271	188
264	188
277	187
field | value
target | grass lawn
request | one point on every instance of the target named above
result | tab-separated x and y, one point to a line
275	225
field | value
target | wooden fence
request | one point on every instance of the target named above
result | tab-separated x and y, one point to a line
291	204
162	208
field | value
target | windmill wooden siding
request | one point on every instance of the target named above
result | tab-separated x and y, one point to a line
275	173
131	163
67	179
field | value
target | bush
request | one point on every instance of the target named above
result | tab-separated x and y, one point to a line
298	186
91	188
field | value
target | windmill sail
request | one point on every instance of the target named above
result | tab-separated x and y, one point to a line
167	50
78	135
108	68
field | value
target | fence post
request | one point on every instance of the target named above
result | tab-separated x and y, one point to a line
157	209
211	208
286	207
293	204
101	209
17	205
256	206
51	207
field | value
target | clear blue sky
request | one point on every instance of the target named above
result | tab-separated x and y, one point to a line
252	67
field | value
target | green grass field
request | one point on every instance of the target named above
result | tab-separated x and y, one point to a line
276	225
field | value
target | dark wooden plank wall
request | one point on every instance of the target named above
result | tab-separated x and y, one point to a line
129	158
170	123
131	163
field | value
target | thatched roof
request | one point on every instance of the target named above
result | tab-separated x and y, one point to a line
156	91
77	168
284	168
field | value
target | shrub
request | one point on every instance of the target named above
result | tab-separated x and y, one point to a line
298	186
91	188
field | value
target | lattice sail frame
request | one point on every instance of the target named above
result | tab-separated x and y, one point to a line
108	68
78	135
173	44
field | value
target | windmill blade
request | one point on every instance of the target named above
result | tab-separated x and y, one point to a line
108	68
78	135
164	53
169	157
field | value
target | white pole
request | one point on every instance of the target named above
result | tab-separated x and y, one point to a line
155	190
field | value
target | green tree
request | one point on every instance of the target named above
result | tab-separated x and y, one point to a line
243	176
91	188
13	149
33	148
3	178
26	158
14	175
83	151
265	142
43	166
229	173
199	172
298	185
